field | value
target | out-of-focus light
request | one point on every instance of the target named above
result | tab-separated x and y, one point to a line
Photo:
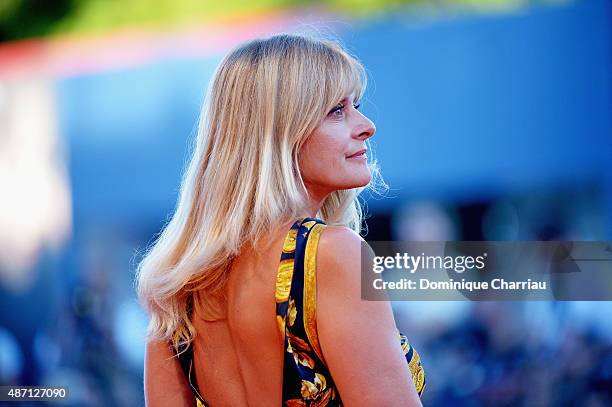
426	221
35	209
47	352
130	325
11	357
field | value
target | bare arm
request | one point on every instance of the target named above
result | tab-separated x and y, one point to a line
358	338
164	381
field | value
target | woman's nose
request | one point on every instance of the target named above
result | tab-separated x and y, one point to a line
365	129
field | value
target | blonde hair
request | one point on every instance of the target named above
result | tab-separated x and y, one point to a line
243	179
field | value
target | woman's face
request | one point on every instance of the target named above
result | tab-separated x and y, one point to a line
334	157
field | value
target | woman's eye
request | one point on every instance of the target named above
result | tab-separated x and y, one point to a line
338	110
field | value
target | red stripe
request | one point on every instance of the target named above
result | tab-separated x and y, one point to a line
69	55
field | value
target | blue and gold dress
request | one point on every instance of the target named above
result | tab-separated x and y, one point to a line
306	379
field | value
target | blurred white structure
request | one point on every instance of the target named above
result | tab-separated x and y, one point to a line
35	202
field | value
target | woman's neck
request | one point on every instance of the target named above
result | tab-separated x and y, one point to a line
316	198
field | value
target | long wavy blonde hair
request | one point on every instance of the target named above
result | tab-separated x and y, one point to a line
266	97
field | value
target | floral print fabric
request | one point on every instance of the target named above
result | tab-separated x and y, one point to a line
306	379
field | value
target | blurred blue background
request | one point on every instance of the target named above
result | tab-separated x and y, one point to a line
494	123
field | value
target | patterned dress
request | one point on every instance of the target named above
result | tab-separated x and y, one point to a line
306	379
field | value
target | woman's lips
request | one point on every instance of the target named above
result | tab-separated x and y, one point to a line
359	155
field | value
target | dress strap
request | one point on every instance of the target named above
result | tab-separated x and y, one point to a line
310	286
284	276
306	378
185	357
296	280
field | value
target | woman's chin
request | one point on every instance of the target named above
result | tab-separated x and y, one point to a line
358	182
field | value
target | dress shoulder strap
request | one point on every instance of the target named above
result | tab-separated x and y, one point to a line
296	281
310	286
306	378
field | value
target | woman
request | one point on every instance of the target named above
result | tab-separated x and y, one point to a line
255	281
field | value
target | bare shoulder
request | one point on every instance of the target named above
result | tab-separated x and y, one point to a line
338	263
340	234
338	244
359	339
340	254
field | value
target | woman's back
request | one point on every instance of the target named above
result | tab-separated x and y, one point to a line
241	358
247	357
